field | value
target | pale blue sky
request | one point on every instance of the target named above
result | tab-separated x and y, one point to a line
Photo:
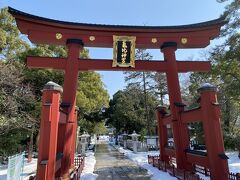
124	12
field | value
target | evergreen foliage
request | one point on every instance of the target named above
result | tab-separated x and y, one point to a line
225	74
20	87
149	83
126	111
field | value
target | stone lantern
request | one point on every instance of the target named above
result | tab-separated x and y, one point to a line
134	136
84	142
124	135
110	137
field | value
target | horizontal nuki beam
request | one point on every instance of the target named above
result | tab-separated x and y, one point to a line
106	65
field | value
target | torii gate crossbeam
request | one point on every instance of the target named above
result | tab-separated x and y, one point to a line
106	65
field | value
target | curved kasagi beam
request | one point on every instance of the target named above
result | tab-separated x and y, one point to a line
49	31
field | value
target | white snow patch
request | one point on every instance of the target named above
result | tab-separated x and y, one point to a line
203	177
104	138
90	162
3	172
233	162
29	169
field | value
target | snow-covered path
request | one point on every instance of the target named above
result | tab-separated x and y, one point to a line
111	164
140	158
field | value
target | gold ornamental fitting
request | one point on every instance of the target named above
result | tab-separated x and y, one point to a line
92	38
58	36
184	40
154	40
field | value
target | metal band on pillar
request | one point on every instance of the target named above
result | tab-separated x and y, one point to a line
75	41
168	44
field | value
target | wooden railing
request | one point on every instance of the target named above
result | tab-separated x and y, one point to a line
234	176
79	165
76	171
202	170
182	174
205	171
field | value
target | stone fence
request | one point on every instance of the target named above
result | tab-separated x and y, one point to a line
149	143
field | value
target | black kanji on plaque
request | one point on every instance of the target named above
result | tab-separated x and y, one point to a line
123	51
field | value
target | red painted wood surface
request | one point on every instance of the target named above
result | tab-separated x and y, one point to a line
43	30
213	135
197	159
170	152
194	115
162	135
63	117
180	135
48	135
69	96
106	65
167	120
74	138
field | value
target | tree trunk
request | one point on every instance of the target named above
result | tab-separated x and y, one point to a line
30	147
227	115
146	104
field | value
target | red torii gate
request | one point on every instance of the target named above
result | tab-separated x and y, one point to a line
61	136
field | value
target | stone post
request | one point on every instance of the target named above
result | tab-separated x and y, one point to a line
135	136
84	143
125	140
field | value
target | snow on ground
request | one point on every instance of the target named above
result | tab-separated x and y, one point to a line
104	138
3	172
203	177
29	169
233	162
141	159
90	162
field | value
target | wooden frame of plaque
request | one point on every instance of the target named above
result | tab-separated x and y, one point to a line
124	51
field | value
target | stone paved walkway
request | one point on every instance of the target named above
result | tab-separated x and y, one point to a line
112	165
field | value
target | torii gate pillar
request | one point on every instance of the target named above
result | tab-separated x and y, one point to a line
179	130
218	164
67	131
